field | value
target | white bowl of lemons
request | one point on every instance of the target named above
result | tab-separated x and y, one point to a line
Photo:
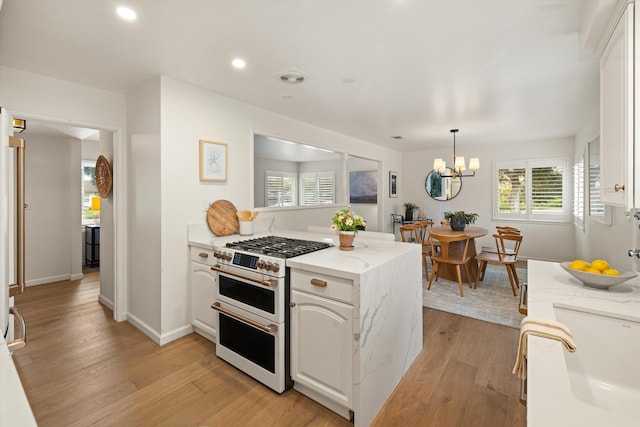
597	274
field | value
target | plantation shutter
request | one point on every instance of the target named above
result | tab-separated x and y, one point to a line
547	190
578	193
280	188
533	190
317	188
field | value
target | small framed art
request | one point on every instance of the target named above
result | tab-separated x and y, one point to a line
213	161
393	184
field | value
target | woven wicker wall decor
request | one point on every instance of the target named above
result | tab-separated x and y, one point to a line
104	177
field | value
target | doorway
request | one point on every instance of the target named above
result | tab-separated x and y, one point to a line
54	205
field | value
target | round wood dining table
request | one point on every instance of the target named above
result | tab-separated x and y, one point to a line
448	271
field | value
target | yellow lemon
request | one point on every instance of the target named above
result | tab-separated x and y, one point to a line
593	270
611	272
599	264
579	264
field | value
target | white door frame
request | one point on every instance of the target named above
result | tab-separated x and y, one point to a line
120	274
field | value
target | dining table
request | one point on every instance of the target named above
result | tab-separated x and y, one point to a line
448	271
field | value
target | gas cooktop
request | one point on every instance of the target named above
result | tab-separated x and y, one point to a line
280	247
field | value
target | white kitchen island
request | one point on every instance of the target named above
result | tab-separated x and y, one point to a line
377	289
562	396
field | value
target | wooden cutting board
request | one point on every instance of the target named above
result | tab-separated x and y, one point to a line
222	219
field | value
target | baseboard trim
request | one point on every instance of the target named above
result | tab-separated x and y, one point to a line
144	328
175	334
160	339
45	280
78	276
105	301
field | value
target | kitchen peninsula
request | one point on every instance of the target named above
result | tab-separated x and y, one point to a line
378	289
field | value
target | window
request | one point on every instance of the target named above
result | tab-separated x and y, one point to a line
578	192
90	195
280	188
317	188
531	190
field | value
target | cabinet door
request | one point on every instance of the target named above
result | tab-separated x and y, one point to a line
616	114
322	346
202	296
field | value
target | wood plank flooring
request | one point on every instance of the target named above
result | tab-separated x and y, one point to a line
82	368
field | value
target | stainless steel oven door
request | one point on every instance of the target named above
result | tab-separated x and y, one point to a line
252	345
252	292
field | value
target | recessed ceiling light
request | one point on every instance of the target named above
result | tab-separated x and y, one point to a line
397	137
287	96
238	63
348	80
126	13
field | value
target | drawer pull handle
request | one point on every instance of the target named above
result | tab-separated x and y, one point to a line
203	255
271	329
618	187
318	282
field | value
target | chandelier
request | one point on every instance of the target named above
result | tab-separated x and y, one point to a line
440	166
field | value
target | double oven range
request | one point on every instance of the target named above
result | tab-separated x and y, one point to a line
252	305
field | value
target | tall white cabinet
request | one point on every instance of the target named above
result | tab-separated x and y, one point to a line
617	109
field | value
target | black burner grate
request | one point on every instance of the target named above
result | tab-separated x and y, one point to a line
281	247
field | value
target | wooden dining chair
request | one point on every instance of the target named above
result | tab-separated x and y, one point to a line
450	255
422	236
502	230
508	246
407	233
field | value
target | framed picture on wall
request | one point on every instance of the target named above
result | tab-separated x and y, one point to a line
363	187
213	161
393	184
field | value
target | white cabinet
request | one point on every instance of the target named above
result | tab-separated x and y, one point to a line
203	280
322	340
617	112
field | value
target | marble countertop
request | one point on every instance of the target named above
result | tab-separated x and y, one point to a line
550	399
14	406
367	253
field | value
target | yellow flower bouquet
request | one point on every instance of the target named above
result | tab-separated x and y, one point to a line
346	220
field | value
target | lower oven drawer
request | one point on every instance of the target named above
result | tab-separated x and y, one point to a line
251	344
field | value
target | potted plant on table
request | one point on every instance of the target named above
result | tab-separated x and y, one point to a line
347	223
408	210
458	220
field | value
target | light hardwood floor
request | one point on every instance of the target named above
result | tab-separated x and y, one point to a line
80	368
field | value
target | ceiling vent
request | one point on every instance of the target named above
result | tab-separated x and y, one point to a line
292	76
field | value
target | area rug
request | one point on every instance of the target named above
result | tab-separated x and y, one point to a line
492	301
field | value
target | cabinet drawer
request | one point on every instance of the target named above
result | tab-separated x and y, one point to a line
324	285
204	256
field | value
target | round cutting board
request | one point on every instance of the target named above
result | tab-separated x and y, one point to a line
222	219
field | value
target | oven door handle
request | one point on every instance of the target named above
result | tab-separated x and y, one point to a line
20	342
268	283
271	329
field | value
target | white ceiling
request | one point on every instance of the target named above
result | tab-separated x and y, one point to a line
499	70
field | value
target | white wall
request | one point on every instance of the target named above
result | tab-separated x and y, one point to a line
542	241
190	114
605	241
52	190
144	290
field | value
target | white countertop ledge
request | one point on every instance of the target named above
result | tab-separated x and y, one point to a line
14	406
550	399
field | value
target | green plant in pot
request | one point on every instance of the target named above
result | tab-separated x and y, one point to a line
408	210
458	220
